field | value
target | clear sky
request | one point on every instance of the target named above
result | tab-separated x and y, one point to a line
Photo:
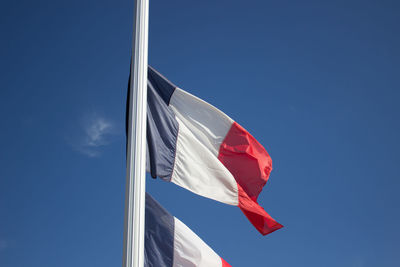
316	82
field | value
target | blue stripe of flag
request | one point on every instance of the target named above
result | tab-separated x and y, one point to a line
159	235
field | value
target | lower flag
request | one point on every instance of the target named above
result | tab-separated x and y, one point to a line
170	243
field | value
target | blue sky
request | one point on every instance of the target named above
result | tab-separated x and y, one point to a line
316	82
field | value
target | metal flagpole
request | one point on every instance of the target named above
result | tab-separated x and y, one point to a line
136	153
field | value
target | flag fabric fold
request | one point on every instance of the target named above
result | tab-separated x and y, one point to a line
196	146
170	243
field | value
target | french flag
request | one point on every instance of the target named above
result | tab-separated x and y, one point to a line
170	243
198	147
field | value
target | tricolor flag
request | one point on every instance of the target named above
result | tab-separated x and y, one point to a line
198	147
170	243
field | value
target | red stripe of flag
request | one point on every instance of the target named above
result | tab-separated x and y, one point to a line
250	165
224	263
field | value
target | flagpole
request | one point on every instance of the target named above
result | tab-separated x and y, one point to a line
133	255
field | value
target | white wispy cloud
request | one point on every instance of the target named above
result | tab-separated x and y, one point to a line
94	134
96	131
